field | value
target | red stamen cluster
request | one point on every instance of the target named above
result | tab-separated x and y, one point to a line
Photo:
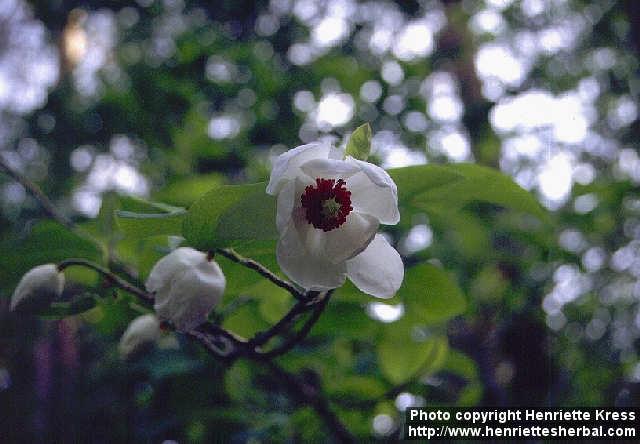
322	214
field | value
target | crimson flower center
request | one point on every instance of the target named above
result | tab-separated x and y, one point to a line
326	204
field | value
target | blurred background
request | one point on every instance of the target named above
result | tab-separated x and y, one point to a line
165	99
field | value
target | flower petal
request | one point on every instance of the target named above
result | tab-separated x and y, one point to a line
287	165
38	288
374	192
163	271
329	169
194	292
351	238
311	271
285	205
378	270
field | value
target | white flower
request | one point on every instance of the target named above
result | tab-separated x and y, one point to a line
141	331
38	288
187	285
328	213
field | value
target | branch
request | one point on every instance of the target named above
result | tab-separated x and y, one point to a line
111	277
38	195
264	271
303	332
298	309
307	394
220	342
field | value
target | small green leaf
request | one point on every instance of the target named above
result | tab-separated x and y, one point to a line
484	184
231	215
274	301
461	365
431	295
401	358
355	387
359	144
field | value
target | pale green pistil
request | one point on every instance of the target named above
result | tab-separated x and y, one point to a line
331	207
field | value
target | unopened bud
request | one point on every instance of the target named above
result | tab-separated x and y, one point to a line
187	286
38	288
142	331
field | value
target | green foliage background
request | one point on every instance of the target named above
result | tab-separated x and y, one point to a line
479	324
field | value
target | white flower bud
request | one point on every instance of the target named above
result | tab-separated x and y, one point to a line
141	331
38	288
187	286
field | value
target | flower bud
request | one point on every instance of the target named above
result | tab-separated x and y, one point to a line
37	288
187	285
140	332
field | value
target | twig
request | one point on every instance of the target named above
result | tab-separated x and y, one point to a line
264	271
219	342
113	278
302	333
299	308
37	194
307	394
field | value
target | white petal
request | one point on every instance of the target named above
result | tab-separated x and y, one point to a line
351	238
378	270
374	192
311	271
287	165
141	331
329	169
336	153
193	293
164	270
289	206
38	288
285	205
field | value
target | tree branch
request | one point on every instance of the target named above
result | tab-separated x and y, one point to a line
298	309
38	195
303	332
264	271
310	395
111	277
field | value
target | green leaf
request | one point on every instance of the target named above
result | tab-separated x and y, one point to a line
401	358
483	184
48	242
461	365
355	387
246	320
231	215
274	301
346	319
149	219
139	226
60	310
419	179
431	295
359	144
186	191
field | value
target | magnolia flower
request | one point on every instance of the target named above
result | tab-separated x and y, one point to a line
187	285
141	331
38	288
328	213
